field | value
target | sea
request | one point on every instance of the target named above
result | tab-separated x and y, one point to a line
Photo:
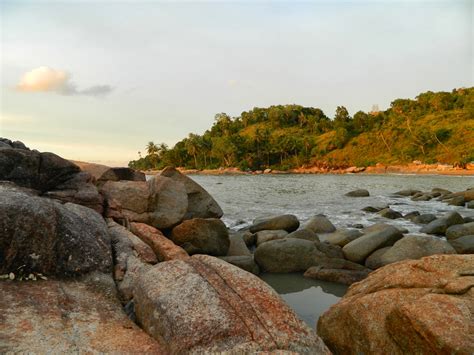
246	197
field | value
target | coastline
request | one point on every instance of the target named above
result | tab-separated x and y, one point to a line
407	169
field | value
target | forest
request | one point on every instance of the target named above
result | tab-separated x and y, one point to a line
432	128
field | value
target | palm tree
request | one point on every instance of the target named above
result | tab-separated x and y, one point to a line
152	148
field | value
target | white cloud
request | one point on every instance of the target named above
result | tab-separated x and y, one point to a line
44	79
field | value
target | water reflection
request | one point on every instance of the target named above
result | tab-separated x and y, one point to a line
307	297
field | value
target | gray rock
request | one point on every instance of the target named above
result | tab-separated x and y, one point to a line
358	193
346	277
468	219
463	245
408	192
250	239
460	230
320	224
389	213
330	250
267	235
457	201
411	215
237	245
246	263
424	218
358	250
439	225
103	173
200	203
286	222
304	234
440	190
374	209
422	197
374	260
343	236
202	236
470	204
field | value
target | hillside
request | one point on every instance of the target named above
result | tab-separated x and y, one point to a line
434	127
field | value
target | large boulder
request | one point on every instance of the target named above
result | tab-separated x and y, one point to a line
410	307
359	249
304	234
42	235
463	245
414	247
65	317
343	236
237	245
205	305
200	203
286	222
460	230
202	236
160	201
245	262
267	235
163	247
319	224
439	225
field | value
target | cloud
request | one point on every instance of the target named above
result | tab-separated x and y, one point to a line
44	79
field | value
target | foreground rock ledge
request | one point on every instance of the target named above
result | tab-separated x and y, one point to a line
411	307
66	317
203	304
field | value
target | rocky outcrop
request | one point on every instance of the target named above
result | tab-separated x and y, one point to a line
160	202
417	307
42	235
103	173
319	224
163	247
67	317
200	203
202	236
286	222
204	304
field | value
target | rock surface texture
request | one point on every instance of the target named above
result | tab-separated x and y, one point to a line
204	304
418	307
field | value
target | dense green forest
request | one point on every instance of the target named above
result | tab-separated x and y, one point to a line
434	127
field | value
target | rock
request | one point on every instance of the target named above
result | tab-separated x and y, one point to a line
463	245
374	209
237	246
267	235
358	250
343	236
64	317
102	173
319	224
126	286
440	190
50	238
205	305
245	262
415	247
424	218
358	193
200	203
411	215
160	202
439	226
202	236
468	195
468	219
249	238
163	248
408	192
286	255
346	277
389	213
460	230
470	204
374	260
286	222
332	251
411	307
304	234
422	197
457	201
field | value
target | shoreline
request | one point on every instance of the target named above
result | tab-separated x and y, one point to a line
379	169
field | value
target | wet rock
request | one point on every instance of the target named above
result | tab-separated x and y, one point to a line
417	306
319	224
304	234
200	203
50	238
457	201
358	250
374	209
468	195
411	215
245	262
205	305
463	245
375	260
347	277
286	222
358	193
202	236
237	245
163	248
439	225
343	236
389	213
422	197
408	192
267	235
470	204
460	230
440	190
64	317
424	218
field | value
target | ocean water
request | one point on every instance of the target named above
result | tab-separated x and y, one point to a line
245	197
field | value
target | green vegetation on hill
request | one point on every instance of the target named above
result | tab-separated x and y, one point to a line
435	127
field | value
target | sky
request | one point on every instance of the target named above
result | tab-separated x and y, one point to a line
96	80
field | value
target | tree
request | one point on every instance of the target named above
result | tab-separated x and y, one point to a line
342	119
